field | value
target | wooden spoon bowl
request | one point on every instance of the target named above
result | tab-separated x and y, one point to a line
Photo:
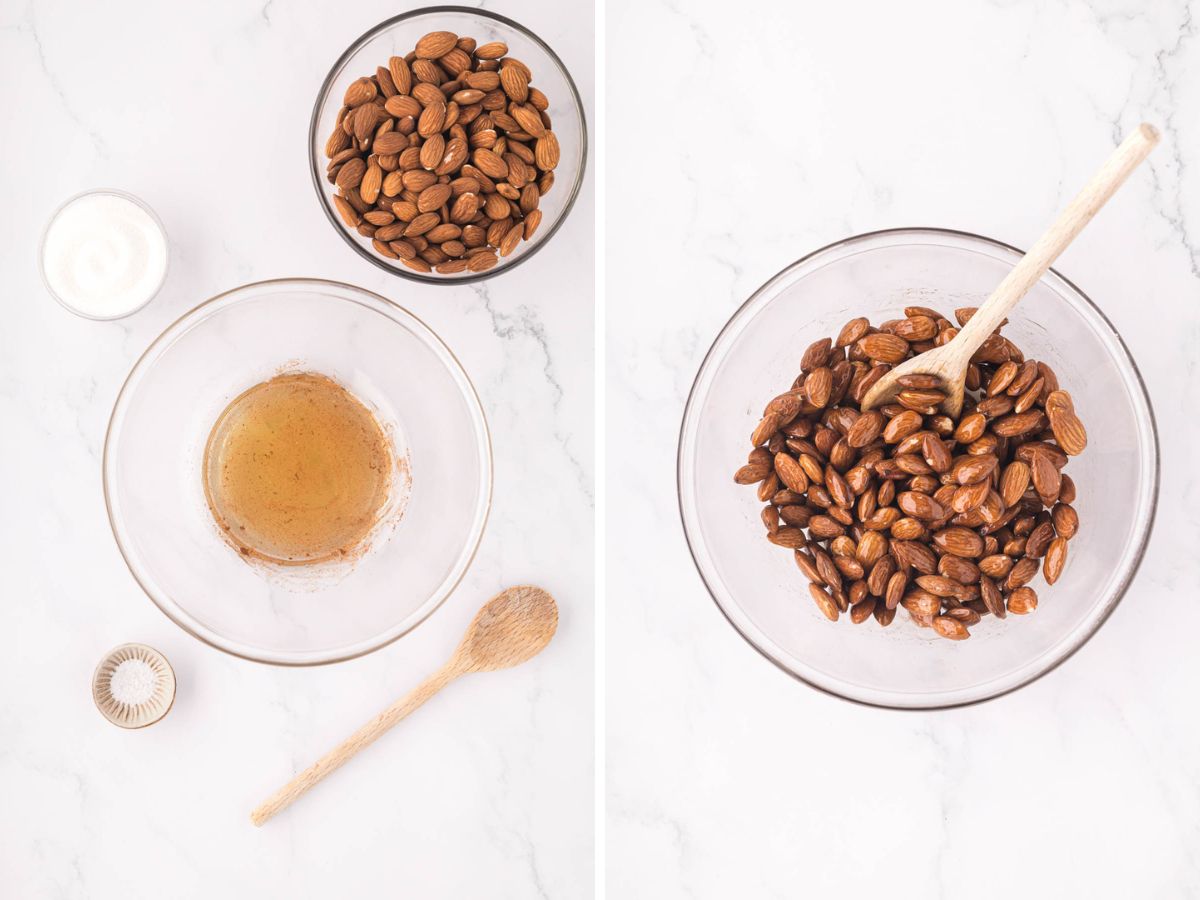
949	362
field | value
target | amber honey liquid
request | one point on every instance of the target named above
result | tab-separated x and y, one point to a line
297	470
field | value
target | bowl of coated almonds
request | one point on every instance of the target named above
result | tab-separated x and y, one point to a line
447	144
898	555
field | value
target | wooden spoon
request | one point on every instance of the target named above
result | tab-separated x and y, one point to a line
511	627
949	362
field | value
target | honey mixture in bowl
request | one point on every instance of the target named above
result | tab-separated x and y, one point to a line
297	470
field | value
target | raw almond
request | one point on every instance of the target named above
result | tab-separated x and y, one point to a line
436	44
410	129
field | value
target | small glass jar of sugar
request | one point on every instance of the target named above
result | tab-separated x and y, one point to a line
104	254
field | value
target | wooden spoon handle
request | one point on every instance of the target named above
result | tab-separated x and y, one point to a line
1057	237
357	741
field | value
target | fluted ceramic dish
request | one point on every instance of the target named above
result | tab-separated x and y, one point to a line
757	585
139	715
297	615
396	37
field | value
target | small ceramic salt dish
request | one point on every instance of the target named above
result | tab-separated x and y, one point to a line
134	686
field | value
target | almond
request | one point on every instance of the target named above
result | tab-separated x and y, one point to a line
391	142
885	348
436	44
1022	601
1066	520
371	182
920	506
950	628
1013	482
530	120
401	76
464	209
489	163
1056	559
866	429
824	602
433	197
1068	429
431	120
959	541
421	224
901	426
514	82
494	50
360	91
817	386
546	153
351	174
790	473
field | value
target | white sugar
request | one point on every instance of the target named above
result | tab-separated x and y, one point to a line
133	682
104	255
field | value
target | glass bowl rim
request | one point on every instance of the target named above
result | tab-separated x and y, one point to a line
173	331
316	173
922	231
103	192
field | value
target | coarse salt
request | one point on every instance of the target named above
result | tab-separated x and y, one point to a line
133	682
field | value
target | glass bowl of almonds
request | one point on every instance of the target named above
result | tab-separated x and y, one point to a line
447	144
1018	524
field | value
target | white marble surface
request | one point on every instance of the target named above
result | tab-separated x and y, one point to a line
763	133
203	112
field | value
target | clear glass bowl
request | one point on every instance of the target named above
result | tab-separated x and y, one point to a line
162	235
758	586
396	37
154	450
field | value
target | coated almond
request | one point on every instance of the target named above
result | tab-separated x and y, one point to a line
824	602
1056	559
790	473
959	541
1013	482
886	348
1022	601
1066	425
1066	520
817	386
901	426
949	628
920	506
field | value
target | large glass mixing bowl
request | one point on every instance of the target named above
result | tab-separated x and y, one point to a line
757	585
